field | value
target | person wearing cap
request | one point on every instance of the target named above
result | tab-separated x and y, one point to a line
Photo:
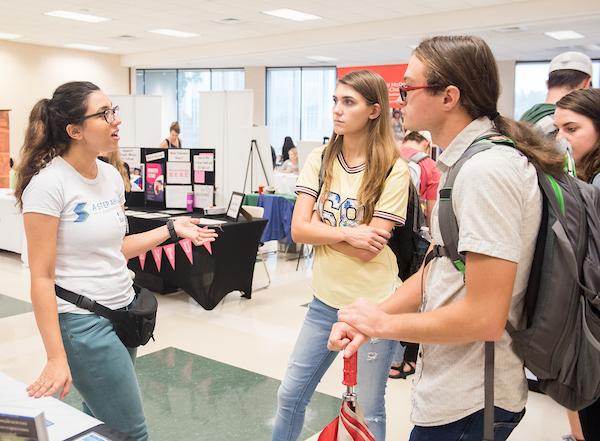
568	71
416	148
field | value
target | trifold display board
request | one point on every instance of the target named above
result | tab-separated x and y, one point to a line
168	175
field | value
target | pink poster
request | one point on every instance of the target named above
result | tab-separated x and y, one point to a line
155	183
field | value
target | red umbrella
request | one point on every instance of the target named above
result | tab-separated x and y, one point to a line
350	425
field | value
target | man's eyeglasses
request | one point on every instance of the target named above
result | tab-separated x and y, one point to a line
109	115
404	89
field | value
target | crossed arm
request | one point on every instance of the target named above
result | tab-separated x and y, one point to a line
363	242
479	316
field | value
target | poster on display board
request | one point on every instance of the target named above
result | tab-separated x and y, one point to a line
393	74
133	158
179	173
155	182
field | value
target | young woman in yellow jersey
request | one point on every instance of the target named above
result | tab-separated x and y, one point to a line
347	211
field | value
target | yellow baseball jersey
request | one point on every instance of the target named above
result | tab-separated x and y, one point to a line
339	279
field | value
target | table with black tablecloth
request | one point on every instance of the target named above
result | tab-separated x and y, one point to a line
210	277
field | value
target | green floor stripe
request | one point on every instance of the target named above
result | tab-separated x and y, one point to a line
190	397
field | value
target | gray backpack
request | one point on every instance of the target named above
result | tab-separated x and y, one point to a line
560	343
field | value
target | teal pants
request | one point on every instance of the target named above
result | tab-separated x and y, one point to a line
103	373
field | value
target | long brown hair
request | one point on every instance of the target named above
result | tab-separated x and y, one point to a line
381	151
468	63
586	102
114	159
46	136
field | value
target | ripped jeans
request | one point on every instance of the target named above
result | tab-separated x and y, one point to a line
309	362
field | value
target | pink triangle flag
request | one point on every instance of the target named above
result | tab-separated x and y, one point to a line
170	252
157	253
186	245
208	247
142	258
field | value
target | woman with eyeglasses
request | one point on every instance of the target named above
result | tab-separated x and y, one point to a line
75	226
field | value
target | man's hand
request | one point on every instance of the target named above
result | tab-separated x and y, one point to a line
345	337
364	316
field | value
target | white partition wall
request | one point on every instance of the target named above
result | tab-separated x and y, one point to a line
142	119
225	124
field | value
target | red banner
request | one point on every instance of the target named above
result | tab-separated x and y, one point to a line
393	74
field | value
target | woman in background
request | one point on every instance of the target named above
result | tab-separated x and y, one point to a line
288	144
173	141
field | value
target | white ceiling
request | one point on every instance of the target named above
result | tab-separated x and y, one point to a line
352	31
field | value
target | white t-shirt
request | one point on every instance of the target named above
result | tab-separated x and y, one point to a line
91	228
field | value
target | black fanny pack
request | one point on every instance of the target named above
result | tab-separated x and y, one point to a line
134	324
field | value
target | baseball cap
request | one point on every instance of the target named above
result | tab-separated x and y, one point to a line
572	60
425	134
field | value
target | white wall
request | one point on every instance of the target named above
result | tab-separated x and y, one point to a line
506	102
255	79
29	73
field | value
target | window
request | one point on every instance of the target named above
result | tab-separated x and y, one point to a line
299	104
163	83
530	84
227	79
283	105
179	89
190	83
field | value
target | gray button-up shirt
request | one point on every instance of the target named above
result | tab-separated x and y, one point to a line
497	204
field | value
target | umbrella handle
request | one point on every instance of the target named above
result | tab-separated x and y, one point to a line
350	370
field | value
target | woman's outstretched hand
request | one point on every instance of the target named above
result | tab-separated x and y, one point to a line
187	228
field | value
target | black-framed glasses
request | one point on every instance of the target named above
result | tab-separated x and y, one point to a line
404	89
109	115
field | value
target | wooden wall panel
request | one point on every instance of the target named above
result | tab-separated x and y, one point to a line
4	148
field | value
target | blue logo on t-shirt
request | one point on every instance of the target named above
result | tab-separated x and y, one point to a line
79	210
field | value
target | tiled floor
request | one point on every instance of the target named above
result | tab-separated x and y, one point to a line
216	372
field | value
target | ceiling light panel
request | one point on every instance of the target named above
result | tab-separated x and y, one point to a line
86	47
292	14
77	16
7	36
564	35
173	33
321	58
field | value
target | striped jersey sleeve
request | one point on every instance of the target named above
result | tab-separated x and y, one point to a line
308	181
394	198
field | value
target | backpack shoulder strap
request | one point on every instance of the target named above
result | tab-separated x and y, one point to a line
448	223
321	173
418	157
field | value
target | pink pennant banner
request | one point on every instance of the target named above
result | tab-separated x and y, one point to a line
186	245
157	253
170	252
208	247
142	258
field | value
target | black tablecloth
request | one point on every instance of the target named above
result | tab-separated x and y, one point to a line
211	277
